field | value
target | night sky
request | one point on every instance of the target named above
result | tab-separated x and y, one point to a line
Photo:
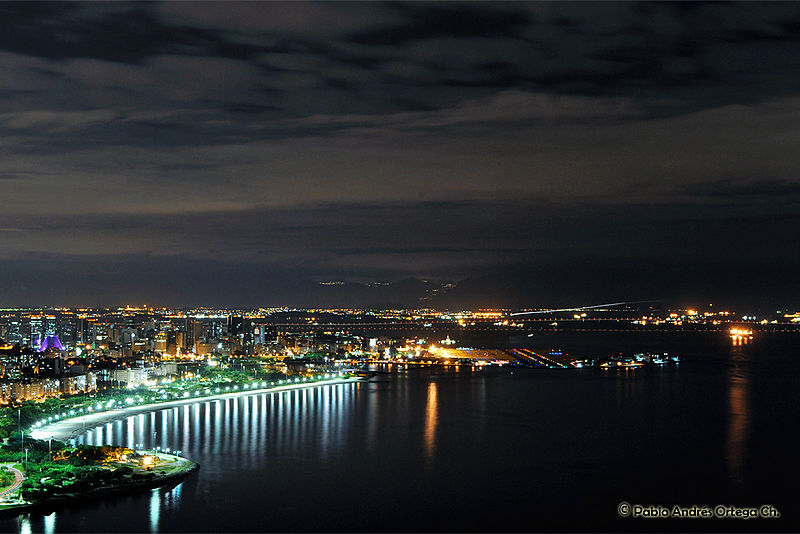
527	153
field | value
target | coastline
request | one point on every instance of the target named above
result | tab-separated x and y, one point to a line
102	492
67	429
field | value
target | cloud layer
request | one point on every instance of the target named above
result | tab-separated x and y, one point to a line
379	141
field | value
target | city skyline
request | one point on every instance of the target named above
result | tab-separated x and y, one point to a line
522	154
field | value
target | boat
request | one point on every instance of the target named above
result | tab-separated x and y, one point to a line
639	359
661	359
618	362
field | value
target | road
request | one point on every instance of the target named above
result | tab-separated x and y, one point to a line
72	427
18	478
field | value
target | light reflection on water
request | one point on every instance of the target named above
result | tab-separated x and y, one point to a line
395	452
739	414
155	509
431	420
50	523
278	423
285	414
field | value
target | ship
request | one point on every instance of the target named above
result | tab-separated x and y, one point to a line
640	359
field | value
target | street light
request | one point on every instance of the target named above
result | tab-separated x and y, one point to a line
19	428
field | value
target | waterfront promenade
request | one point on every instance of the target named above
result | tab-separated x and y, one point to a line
67	429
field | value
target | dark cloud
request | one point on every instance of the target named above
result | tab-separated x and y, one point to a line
748	190
429	20
126	33
279	144
619	251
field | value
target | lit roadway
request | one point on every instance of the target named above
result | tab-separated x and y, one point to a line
18	478
74	426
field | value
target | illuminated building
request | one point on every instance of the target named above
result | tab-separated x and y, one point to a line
160	343
51	341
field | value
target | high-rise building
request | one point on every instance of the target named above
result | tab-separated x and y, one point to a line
14	330
160	343
35	331
235	324
193	331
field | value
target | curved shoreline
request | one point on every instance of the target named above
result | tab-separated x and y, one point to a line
103	492
67	429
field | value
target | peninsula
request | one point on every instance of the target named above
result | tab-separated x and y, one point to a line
48	473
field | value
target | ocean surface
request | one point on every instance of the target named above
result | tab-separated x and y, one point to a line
497	449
